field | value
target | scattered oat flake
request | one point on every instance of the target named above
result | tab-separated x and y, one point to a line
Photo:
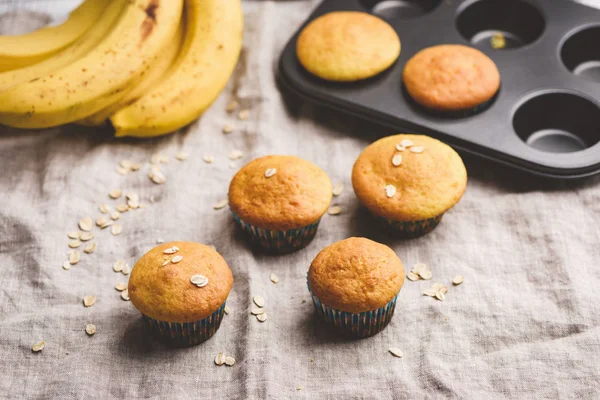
338	188
116	229
126	164
399	147
74	257
156	176
220	359
89	301
262	317
155	158
126	269
430	292
232	106
439	295
86	224
396	352
90	329
160	241
227	310
118	265
74	244
412	276
90	248
208	159
257	311
417	149
244	115
274	278
86	236
227	129
73	235
229	361
426	275
270	172
458	279
166	262
220	204
334	210
125	295
182	156
103	208
235	154
121	286
259	301
122	171
176	259
122	208
171	250
199	280
115	215
115	194
406	143
39	346
66	265
136	167
397	160
390	190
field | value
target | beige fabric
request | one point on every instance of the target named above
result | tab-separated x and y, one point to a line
525	323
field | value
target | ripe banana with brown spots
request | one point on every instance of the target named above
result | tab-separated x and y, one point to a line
151	78
209	55
92	38
100	78
19	51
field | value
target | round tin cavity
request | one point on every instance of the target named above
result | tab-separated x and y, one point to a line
390	9
558	122
500	24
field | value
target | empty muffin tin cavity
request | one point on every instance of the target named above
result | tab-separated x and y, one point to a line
518	22
558	121
580	53
390	9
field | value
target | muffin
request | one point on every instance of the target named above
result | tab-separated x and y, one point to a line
347	46
451	79
181	288
409	181
354	284
279	200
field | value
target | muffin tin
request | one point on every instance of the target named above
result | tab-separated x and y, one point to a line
546	117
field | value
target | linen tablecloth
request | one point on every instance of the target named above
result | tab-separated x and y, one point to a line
525	323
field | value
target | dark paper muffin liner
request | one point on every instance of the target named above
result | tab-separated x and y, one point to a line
355	325
279	242
184	334
411	229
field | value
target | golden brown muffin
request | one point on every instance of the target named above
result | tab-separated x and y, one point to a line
427	184
165	292
296	195
451	78
347	46
356	275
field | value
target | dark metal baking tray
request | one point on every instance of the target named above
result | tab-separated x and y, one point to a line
546	117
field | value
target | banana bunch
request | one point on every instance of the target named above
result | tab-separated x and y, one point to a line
149	67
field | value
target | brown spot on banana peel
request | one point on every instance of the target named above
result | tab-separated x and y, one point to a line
150	20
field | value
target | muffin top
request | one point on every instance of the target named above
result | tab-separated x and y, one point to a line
161	287
451	77
347	46
426	179
356	275
280	193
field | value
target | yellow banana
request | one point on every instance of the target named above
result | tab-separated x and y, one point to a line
81	47
22	50
158	71
101	77
208	58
